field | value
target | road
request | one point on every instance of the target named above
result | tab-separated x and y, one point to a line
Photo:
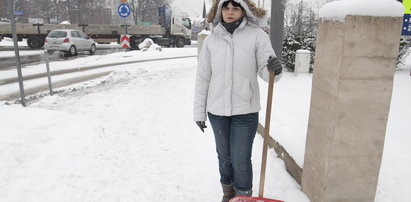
35	58
64	77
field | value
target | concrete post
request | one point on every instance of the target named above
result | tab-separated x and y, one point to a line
351	95
302	61
200	39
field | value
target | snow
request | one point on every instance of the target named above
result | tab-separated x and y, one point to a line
204	32
303	51
9	42
338	10
149	45
129	136
21	53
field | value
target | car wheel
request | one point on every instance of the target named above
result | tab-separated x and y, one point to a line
72	51
92	49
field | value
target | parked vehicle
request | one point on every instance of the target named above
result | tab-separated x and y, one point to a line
4	21
174	29
69	41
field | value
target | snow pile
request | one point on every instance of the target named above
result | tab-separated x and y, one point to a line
205	32
65	23
149	45
120	76
338	10
6	41
303	51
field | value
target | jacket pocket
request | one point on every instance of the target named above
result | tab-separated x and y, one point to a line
213	93
242	91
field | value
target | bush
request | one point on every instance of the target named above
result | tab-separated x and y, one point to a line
404	52
292	43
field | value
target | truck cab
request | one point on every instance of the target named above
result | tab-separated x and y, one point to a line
181	26
178	26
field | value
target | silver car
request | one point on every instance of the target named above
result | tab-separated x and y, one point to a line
69	41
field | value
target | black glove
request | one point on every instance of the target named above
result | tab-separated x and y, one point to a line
201	125
273	64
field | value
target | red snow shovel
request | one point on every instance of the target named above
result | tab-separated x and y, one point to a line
252	199
265	148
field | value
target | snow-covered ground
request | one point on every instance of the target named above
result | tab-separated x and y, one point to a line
129	136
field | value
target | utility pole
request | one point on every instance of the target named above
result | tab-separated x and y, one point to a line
277	27
204	10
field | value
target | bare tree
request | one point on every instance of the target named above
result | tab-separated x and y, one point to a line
60	10
300	32
134	4
146	10
302	19
46	9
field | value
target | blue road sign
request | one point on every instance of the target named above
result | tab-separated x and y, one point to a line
406	25
123	10
18	13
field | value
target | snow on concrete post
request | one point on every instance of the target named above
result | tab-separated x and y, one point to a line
201	37
357	47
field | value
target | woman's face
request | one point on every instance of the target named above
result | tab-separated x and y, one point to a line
231	13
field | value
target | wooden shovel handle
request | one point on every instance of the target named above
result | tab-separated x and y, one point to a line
266	133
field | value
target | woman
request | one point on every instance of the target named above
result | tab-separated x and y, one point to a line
227	89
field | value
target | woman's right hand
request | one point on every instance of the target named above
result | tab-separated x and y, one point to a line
201	125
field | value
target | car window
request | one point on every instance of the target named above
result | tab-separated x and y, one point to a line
57	34
83	35
75	34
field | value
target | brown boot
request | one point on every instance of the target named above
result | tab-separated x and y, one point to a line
228	191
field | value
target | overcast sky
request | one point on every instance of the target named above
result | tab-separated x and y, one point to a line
194	8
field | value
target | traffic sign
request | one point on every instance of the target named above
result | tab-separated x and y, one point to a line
124	1
125	41
406	22
406	25
18	13
123	10
407	6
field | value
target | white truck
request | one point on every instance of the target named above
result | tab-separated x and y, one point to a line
174	29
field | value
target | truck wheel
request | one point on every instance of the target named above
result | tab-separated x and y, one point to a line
35	42
134	42
180	42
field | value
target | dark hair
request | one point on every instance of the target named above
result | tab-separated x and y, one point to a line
235	4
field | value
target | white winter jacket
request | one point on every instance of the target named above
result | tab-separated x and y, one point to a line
226	80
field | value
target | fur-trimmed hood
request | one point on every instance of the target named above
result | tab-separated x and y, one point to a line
253	14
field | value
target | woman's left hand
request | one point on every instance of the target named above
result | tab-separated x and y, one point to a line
273	64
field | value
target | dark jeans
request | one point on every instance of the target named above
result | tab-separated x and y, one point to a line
234	137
